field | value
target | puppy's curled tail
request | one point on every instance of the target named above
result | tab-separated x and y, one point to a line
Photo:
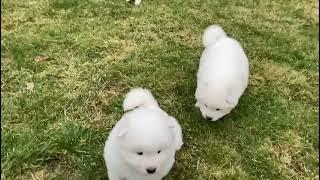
139	97
212	34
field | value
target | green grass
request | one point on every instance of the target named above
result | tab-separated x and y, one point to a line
99	49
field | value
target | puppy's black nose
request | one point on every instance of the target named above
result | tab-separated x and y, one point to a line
151	170
208	118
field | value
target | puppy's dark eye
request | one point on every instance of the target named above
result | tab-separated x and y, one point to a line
159	151
205	106
217	109
140	153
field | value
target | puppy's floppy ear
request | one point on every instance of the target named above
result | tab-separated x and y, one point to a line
172	122
233	101
171	125
174	125
231	98
201	89
122	133
122	128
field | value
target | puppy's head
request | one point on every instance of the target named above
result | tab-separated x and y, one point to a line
214	103
147	141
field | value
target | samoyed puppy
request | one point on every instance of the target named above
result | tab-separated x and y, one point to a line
143	143
222	75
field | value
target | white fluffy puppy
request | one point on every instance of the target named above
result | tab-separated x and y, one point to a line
143	143
223	74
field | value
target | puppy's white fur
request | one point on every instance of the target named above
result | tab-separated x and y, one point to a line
136	2
146	137
223	74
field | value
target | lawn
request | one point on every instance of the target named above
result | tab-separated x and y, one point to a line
66	64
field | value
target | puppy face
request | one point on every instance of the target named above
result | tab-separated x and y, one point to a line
147	144
212	113
214	103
